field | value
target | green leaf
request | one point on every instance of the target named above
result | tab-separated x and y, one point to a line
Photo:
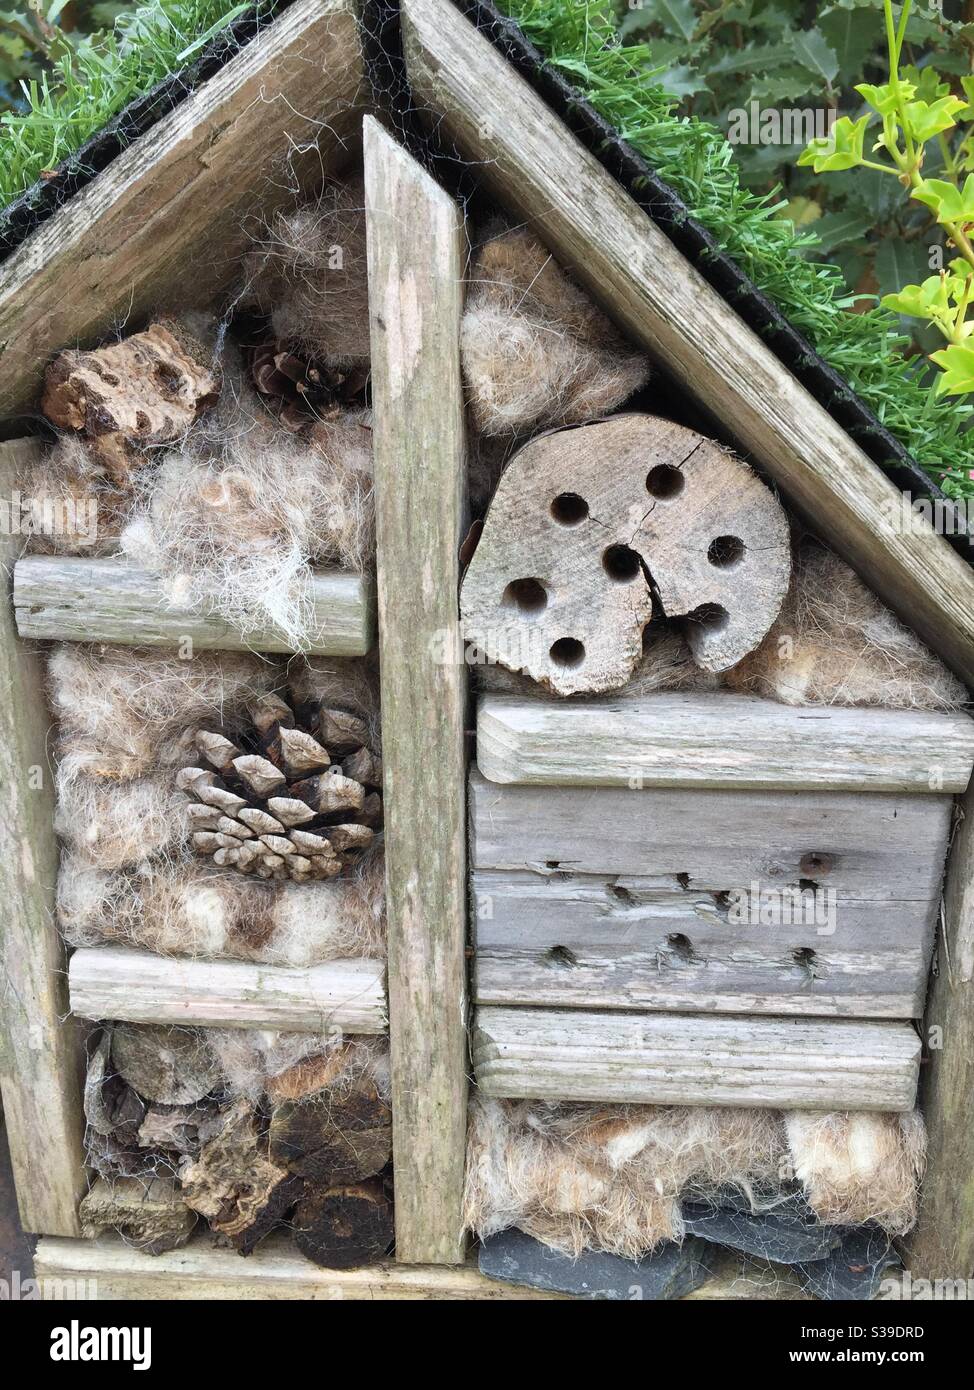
928	83
885	99
925	120
683	81
948	203
841	149
812	51
957	362
787	86
899	264
840	228
672	16
852	34
753	57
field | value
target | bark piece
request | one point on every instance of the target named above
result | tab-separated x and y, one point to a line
344	1227
148	1212
168	1064
112	1108
587	523
240	1192
145	390
327	1128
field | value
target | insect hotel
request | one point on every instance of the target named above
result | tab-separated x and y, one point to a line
485	763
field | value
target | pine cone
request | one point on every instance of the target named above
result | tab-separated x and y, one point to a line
300	392
286	802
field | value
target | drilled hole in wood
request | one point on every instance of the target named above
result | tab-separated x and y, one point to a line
561	956
709	619
680	946
683	880
621	564
569	509
621	894
814	865
665	482
567	651
808	885
526	595
726	552
806	958
552	863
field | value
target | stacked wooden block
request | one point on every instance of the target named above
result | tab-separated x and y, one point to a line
707	899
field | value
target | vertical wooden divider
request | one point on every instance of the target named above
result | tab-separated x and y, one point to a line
416	256
942	1244
40	1057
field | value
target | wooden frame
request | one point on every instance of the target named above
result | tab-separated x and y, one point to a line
71	599
40	1059
416	253
140	987
112	252
537	169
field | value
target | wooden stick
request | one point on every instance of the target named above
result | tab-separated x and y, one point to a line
695	1059
416	262
722	741
942	1245
181	198
538	171
139	987
68	598
40	1059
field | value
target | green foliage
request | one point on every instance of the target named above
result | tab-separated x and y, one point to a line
63	85
625	84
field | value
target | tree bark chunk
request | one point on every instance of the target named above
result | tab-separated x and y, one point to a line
146	390
344	1227
327	1132
171	1065
147	1212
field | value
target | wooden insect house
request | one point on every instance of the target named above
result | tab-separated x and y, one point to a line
482	751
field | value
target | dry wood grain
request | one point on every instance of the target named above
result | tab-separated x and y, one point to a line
139	987
538	171
40	1065
166	223
416	261
585	520
721	740
68	598
695	1059
942	1245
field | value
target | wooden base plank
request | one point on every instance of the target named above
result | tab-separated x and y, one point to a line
139	987
165	225
416	252
69	598
108	1269
538	171
40	1053
721	740
695	1059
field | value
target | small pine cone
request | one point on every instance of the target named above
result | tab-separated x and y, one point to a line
298	796
301	392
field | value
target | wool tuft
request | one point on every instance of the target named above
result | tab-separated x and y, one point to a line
835	643
536	351
612	1177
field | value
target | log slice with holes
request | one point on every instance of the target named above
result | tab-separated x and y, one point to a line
588	524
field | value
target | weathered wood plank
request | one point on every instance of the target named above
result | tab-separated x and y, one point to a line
721	740
695	1059
942	1245
416	262
112	1270
712	841
69	598
165	224
139	987
581	941
530	161
40	1058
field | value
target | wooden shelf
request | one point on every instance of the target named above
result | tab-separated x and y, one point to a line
721	741
138	987
277	1271
695	1059
68	598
